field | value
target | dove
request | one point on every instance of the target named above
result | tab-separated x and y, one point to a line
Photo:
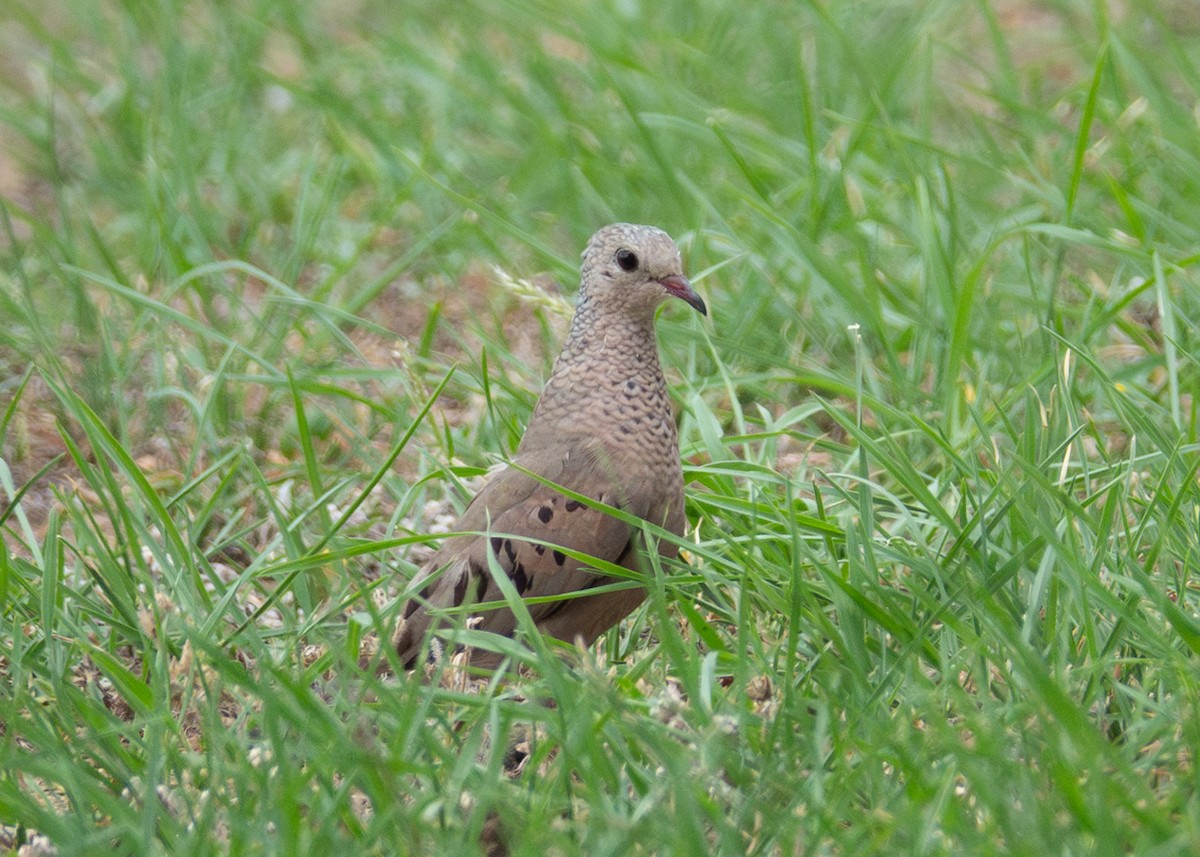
602	428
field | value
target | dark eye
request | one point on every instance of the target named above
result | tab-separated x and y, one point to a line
627	259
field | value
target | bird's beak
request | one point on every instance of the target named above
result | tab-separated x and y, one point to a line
678	286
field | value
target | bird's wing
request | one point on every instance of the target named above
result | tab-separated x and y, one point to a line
530	521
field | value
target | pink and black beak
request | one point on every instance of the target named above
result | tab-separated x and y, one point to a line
678	286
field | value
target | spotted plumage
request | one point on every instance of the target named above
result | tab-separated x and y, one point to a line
603	428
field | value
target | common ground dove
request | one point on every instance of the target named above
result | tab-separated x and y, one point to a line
603	428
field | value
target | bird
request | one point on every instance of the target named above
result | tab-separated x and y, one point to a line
603	428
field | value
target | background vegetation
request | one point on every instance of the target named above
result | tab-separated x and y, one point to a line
941	594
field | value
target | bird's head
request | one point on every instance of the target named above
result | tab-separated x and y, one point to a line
636	267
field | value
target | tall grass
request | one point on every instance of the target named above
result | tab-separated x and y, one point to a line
940	589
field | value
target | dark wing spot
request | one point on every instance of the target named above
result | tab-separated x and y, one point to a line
545	513
510	550
519	579
572	505
421	598
481	586
559	557
460	589
539	549
496	541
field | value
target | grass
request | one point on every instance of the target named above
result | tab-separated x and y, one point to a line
940	433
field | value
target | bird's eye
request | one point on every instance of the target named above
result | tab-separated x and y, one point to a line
627	259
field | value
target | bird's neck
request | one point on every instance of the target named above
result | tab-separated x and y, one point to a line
615	346
608	369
